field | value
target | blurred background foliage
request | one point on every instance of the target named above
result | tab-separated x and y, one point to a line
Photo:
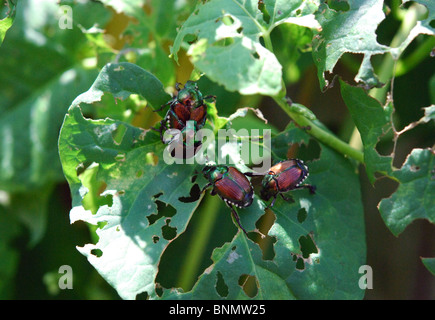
43	68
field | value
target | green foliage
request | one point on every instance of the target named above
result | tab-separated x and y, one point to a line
147	219
416	178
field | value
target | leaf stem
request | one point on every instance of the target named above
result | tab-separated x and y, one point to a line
319	133
267	41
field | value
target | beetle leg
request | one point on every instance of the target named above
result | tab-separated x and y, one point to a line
236	217
285	198
210	97
252	174
162	106
206	186
307	186
273	202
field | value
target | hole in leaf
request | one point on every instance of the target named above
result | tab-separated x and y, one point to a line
225	42
414	168
194	195
97	252
352	63
156	239
265	222
142	296
338	5
249	285
310	152
228	20
120	157
255	55
151	158
93	200
239	30
221	286
300	264
190	38
139	173
302	215
168	232
264	241
81	168
307	246
163	210
385	146
118	133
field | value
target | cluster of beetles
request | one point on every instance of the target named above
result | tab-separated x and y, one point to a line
230	184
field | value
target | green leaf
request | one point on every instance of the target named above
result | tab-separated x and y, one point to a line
30	132
429	263
6	22
9	231
372	121
40	76
228	47
414	198
116	174
349	31
316	255
422	26
130	242
123	79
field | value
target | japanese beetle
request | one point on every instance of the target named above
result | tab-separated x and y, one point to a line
187	105
284	176
182	143
231	185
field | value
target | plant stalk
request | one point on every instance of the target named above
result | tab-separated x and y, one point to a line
320	134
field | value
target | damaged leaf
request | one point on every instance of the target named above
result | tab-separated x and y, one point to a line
227	43
329	240
372	121
349	31
414	198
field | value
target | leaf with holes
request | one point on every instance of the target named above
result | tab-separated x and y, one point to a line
349	31
414	198
228	48
116	177
421	27
318	242
131	234
372	121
